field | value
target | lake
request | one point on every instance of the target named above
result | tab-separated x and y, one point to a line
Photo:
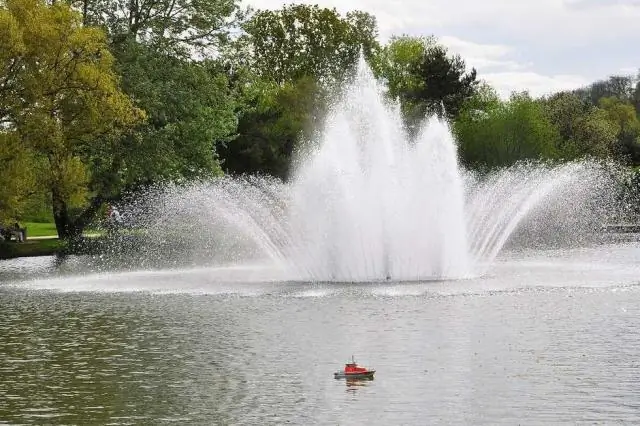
547	336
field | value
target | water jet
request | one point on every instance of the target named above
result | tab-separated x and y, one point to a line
368	203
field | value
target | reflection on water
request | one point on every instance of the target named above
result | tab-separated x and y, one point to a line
354	384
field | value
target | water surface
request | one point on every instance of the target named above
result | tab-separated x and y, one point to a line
546	337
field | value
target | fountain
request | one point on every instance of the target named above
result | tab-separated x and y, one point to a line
365	203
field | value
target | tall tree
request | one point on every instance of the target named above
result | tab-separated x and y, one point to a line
18	176
300	41
60	96
425	78
180	27
190	113
505	133
623	115
445	82
618	86
584	129
273	120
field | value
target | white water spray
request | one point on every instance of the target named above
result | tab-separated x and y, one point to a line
368	204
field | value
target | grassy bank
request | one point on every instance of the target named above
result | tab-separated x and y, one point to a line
37	229
46	247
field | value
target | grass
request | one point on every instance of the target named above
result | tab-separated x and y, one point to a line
36	229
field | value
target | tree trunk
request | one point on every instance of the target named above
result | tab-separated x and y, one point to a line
64	226
85	13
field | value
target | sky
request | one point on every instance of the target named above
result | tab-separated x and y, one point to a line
542	46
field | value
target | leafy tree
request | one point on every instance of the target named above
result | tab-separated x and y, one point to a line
190	112
623	115
584	129
396	66
618	86
565	109
397	61
273	121
425	78
172	26
595	134
301	41
505	133
445	82
18	176
60	96
636	94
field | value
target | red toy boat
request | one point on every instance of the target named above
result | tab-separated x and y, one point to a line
353	371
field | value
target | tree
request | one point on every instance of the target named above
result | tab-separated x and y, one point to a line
301	41
445	82
18	176
273	120
595	134
584	129
60	97
505	133
396	66
623	115
564	109
397	61
619	86
181	27
190	113
426	80
636	94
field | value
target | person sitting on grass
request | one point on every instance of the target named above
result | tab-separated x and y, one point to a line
18	232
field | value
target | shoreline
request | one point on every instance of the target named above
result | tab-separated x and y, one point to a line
32	247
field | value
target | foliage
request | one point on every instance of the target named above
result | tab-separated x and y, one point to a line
619	86
172	26
60	94
274	119
507	132
190	111
585	130
623	115
102	97
300	41
425	78
18	177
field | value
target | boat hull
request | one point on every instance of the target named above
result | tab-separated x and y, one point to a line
356	375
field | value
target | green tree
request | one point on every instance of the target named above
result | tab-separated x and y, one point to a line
173	26
425	78
445	82
18	176
190	113
623	115
397	61
273	120
301	41
504	133
595	134
60	97
618	86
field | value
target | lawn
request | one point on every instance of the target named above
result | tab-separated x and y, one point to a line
35	229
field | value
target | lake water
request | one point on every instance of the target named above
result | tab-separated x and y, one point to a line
548	336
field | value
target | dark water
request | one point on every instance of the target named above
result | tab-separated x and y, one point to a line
517	347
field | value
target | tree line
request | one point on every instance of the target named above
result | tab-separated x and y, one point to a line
99	98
